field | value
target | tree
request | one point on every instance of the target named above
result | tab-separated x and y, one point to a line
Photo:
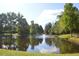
38	28
41	29
32	28
48	28
22	26
35	28
68	20
55	28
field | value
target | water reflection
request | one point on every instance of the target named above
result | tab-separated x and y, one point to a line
66	46
22	43
34	41
46	45
49	41
7	41
41	44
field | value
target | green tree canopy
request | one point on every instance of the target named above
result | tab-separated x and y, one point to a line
68	20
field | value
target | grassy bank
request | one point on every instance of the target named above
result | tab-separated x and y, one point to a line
4	52
70	38
65	36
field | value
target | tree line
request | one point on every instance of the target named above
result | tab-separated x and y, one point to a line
68	21
16	23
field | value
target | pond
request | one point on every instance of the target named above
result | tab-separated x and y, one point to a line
40	44
44	45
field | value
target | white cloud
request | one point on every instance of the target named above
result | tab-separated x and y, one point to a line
16	6
48	16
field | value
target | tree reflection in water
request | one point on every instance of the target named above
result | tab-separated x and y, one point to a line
66	46
23	42
31	43
34	41
49	41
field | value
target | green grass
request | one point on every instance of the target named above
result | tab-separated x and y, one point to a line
70	38
4	52
65	36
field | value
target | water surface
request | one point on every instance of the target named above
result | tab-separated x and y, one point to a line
39	44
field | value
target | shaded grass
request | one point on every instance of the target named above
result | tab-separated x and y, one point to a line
70	38
65	36
74	40
4	52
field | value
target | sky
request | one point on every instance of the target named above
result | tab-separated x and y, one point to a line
41	13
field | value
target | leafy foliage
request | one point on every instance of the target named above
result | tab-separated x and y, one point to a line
35	28
68	21
48	28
